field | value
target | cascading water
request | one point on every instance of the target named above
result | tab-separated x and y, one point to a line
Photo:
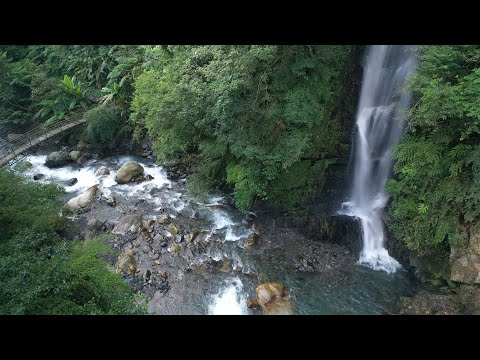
381	117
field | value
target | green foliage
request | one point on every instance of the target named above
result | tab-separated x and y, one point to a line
104	124
436	195
43	273
256	111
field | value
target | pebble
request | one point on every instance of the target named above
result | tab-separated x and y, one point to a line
163	244
146	249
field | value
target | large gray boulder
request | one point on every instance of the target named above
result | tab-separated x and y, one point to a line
131	222
126	263
57	159
83	199
75	155
128	171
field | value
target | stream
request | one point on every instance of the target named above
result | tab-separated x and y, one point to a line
219	274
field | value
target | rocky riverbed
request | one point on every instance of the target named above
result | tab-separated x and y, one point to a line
200	255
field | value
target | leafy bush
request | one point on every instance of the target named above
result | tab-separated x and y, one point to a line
251	115
43	273
104	124
436	195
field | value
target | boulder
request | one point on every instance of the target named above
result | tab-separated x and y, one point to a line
112	200
128	171
173	229
22	166
251	240
190	237
94	228
72	181
37	177
227	266
82	145
57	159
465	259
83	199
131	222
174	248
164	219
103	171
273	300
126	263
75	155
83	159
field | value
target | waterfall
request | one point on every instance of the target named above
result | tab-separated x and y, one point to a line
381	117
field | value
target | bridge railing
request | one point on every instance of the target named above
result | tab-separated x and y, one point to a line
45	131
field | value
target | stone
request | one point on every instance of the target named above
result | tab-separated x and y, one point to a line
72	181
57	159
149	177
131	222
37	177
227	266
252	303
146	249
190	237
22	166
127	172
465	259
178	238
103	171
172	229
163	244
158	238
82	145
112	200
273	300
83	159
165	219
251	240
126	263
75	155
84	199
154	256
174	248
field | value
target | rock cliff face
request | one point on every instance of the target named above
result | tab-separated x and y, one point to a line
465	259
323	223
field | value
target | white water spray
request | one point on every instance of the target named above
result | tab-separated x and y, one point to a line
381	118
230	300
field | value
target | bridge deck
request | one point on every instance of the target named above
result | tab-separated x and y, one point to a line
35	137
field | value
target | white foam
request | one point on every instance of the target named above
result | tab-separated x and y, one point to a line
230	300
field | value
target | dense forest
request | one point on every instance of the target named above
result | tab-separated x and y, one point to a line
261	123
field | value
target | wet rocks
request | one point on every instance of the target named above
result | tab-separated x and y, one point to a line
173	229
165	219
174	248
75	155
112	200
128	171
37	177
251	240
273	300
227	266
190	237
57	159
129	223
102	172
126	263
22	166
84	199
72	181
84	158
323	257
